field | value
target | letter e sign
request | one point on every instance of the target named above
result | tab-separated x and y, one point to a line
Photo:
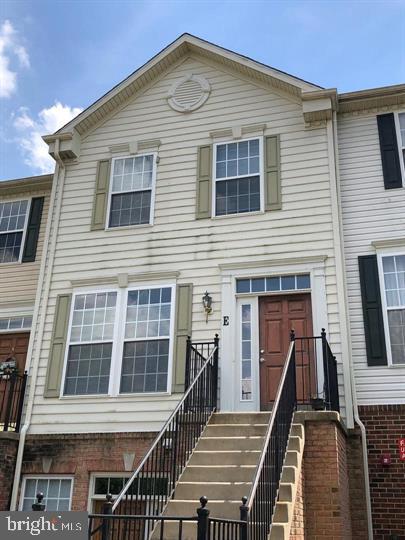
226	320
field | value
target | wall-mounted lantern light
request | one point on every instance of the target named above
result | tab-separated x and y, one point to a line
207	302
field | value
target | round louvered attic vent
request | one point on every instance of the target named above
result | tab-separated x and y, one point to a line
189	93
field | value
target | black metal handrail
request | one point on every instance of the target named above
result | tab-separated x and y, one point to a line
264	490
12	391
153	482
108	526
317	377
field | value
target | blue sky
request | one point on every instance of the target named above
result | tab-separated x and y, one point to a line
58	56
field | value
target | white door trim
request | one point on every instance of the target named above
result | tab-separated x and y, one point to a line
230	359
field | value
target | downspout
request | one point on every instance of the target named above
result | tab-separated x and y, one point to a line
42	286
352	379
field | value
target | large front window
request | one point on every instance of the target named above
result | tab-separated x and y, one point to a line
57	492
105	356
131	197
394	285
13	220
237	174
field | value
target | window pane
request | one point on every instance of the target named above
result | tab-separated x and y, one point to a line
287	283
130	209
88	368
303	282
243	286
246	351
148	313
132	174
10	246
92	320
273	284
237	196
396	323
56	493
145	366
13	215
258	285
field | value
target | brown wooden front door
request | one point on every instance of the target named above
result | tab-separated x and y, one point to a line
15	346
278	315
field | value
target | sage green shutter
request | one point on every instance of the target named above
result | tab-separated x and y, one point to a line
98	218
32	235
272	182
58	346
184	299
204	181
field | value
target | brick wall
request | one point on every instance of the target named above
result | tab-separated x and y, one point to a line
385	424
8	454
358	508
326	487
80	455
297	531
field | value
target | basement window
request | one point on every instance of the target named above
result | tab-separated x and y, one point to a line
57	492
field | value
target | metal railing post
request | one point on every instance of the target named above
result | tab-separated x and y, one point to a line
21	401
188	363
107	509
202	520
39	505
244	509
215	382
10	397
294	369
325	369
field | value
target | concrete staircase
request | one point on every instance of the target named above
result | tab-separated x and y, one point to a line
221	467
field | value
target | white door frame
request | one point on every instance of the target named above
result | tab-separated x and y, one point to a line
230	353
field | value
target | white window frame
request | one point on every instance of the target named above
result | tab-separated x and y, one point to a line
215	179
118	340
45	477
24	230
152	195
385	308
401	146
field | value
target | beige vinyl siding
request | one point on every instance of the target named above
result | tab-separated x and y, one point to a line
18	281
370	213
177	241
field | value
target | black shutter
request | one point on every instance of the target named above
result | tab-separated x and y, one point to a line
372	311
34	224
389	151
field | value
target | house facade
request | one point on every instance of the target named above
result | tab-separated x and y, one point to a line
371	133
208	194
202	172
24	205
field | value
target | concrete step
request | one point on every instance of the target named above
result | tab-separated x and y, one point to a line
212	490
231	443
240	418
218	473
218	508
225	457
232	430
171	531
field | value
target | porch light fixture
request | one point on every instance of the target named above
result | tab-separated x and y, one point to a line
207	302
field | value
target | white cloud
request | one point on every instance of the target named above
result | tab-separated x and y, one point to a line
10	47
48	120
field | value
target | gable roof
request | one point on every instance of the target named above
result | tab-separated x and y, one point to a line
185	44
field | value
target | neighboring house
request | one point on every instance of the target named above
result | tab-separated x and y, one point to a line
371	132
202	171
24	205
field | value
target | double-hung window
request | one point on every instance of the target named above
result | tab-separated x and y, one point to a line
13	223
132	189
393	268
238	177
105	356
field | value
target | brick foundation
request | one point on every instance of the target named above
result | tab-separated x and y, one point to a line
385	424
358	508
80	455
8	453
298	523
326	486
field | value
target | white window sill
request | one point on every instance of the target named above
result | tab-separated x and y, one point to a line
103	397
239	215
129	227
